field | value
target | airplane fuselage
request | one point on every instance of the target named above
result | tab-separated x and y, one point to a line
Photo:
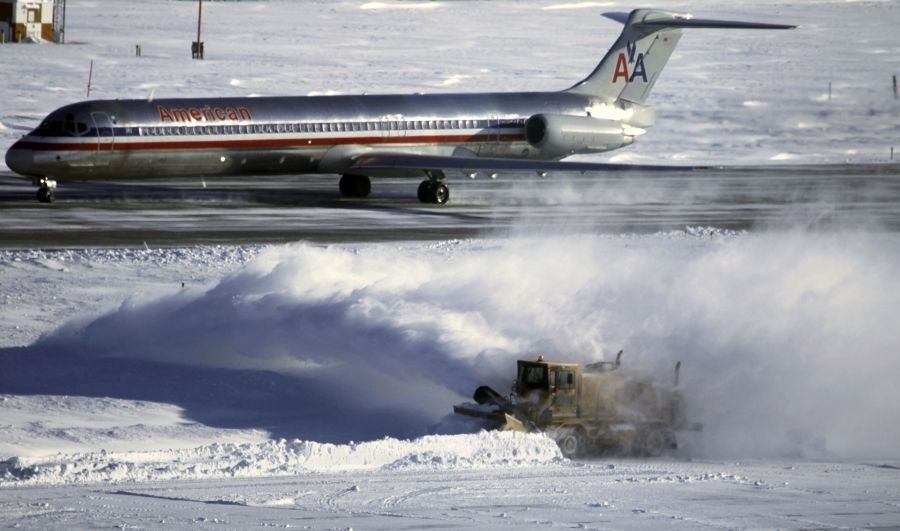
111	139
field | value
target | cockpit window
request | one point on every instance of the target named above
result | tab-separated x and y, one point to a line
69	124
50	127
62	125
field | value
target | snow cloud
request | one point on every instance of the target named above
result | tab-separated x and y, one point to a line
788	339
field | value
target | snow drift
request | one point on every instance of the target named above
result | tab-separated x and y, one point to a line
283	458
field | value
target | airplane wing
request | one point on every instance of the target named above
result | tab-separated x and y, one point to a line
380	162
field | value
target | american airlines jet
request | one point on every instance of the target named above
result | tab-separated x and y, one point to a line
358	137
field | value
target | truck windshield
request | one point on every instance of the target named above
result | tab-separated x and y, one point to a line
532	376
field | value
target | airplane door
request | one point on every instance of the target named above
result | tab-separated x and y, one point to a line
106	137
396	129
491	134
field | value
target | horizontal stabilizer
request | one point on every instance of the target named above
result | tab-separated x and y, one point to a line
686	21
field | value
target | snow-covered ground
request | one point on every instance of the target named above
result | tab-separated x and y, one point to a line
726	96
144	387
329	366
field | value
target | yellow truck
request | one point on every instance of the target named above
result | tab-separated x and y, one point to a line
595	409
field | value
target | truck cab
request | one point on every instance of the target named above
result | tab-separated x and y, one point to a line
547	391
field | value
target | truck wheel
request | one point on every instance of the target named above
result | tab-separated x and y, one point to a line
654	442
571	443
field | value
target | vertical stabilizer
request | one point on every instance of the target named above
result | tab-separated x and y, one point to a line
631	67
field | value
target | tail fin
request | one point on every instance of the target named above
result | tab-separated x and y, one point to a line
630	68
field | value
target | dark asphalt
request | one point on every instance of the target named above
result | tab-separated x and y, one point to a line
281	209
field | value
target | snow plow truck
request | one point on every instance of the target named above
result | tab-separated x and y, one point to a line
595	409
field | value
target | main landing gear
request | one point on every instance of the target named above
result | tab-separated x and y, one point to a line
433	190
355	186
45	192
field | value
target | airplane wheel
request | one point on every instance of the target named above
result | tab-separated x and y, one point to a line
433	192
355	186
424	191
45	195
441	194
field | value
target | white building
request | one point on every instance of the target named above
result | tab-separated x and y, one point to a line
26	20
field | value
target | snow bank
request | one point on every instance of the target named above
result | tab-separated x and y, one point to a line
282	458
44	425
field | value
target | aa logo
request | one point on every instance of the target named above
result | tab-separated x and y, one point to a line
636	60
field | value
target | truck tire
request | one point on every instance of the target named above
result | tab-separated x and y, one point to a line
570	442
653	443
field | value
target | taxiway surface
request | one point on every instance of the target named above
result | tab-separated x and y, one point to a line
278	209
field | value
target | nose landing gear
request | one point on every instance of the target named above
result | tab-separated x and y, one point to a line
45	192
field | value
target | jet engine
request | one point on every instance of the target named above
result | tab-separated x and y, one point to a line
560	135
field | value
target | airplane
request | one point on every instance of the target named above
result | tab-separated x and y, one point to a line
358	137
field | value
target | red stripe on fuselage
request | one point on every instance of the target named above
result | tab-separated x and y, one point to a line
149	143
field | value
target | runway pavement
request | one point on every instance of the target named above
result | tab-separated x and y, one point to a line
309	207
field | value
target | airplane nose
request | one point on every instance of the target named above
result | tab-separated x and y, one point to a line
19	159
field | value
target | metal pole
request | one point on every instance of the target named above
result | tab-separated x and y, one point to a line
199	20
90	75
